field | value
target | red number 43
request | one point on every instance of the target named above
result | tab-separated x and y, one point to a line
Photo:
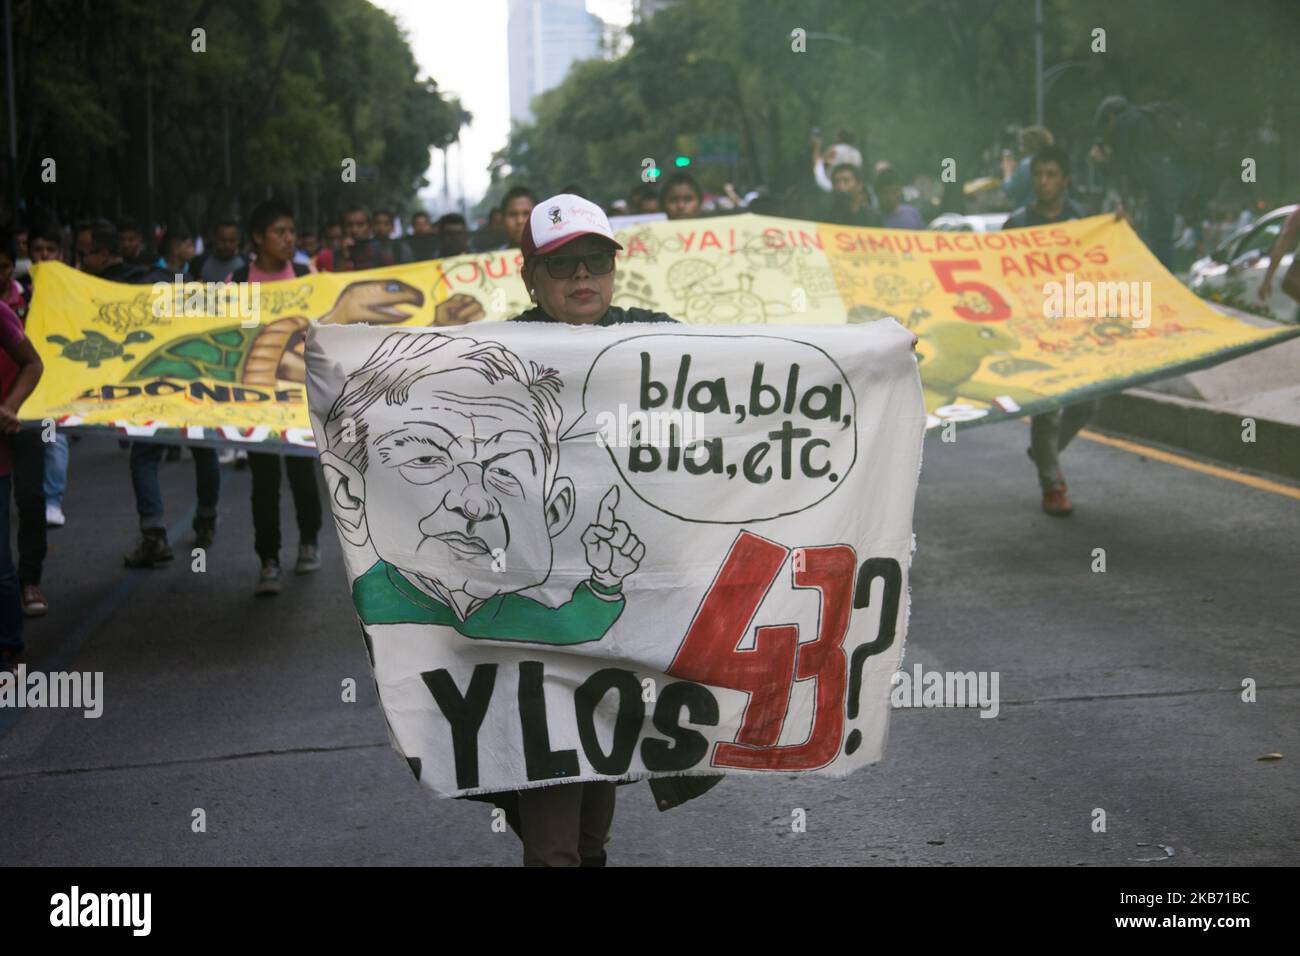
709	654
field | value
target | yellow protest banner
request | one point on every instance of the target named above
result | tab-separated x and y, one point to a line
1009	322
204	363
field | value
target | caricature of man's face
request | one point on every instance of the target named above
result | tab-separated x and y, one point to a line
465	459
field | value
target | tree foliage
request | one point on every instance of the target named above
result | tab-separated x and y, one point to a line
917	82
300	85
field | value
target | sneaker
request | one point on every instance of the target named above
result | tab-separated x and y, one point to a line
225	456
1055	502
34	603
205	529
241	459
54	517
268	582
308	559
152	550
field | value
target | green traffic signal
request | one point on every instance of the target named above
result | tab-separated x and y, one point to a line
682	161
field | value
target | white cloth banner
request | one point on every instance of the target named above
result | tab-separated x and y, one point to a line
608	553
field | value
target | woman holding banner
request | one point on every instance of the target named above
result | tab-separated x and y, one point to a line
568	269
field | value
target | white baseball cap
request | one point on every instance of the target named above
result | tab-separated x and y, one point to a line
561	219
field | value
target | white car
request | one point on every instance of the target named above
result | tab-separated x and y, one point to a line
956	222
1233	273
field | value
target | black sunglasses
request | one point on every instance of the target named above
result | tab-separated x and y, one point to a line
564	267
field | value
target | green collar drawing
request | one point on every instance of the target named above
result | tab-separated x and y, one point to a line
384	596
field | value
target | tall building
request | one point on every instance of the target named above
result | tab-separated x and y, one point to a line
545	37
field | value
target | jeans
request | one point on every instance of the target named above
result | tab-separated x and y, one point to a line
11	602
56	469
29	495
1049	433
564	823
145	459
266	500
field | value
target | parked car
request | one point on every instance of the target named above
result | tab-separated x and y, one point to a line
956	222
1234	271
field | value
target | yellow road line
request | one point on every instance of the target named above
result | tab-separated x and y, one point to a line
1263	484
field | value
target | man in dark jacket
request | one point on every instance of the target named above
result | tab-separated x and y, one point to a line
100	254
1140	144
102	257
1051	431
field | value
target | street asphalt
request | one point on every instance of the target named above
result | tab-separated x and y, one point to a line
1120	691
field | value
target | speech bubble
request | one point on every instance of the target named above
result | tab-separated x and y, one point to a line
722	429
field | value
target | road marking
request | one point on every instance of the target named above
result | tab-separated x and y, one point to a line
217	758
1262	484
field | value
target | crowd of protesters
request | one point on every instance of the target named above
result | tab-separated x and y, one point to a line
267	247
1137	145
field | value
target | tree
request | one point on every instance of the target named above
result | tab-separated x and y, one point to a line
291	87
916	82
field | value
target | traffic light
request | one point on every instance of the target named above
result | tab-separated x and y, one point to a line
682	161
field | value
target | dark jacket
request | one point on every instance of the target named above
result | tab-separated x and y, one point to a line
668	792
1028	216
138	273
614	316
839	213
201	260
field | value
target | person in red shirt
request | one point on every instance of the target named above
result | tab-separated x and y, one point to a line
271	227
331	241
20	370
29	449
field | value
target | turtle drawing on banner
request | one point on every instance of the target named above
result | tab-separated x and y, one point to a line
952	352
895	289
708	298
479	429
263	354
95	347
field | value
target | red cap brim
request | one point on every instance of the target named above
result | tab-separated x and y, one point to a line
529	250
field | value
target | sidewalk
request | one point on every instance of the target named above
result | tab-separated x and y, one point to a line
1202	412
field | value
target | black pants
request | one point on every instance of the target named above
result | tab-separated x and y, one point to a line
266	500
29	495
566	823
